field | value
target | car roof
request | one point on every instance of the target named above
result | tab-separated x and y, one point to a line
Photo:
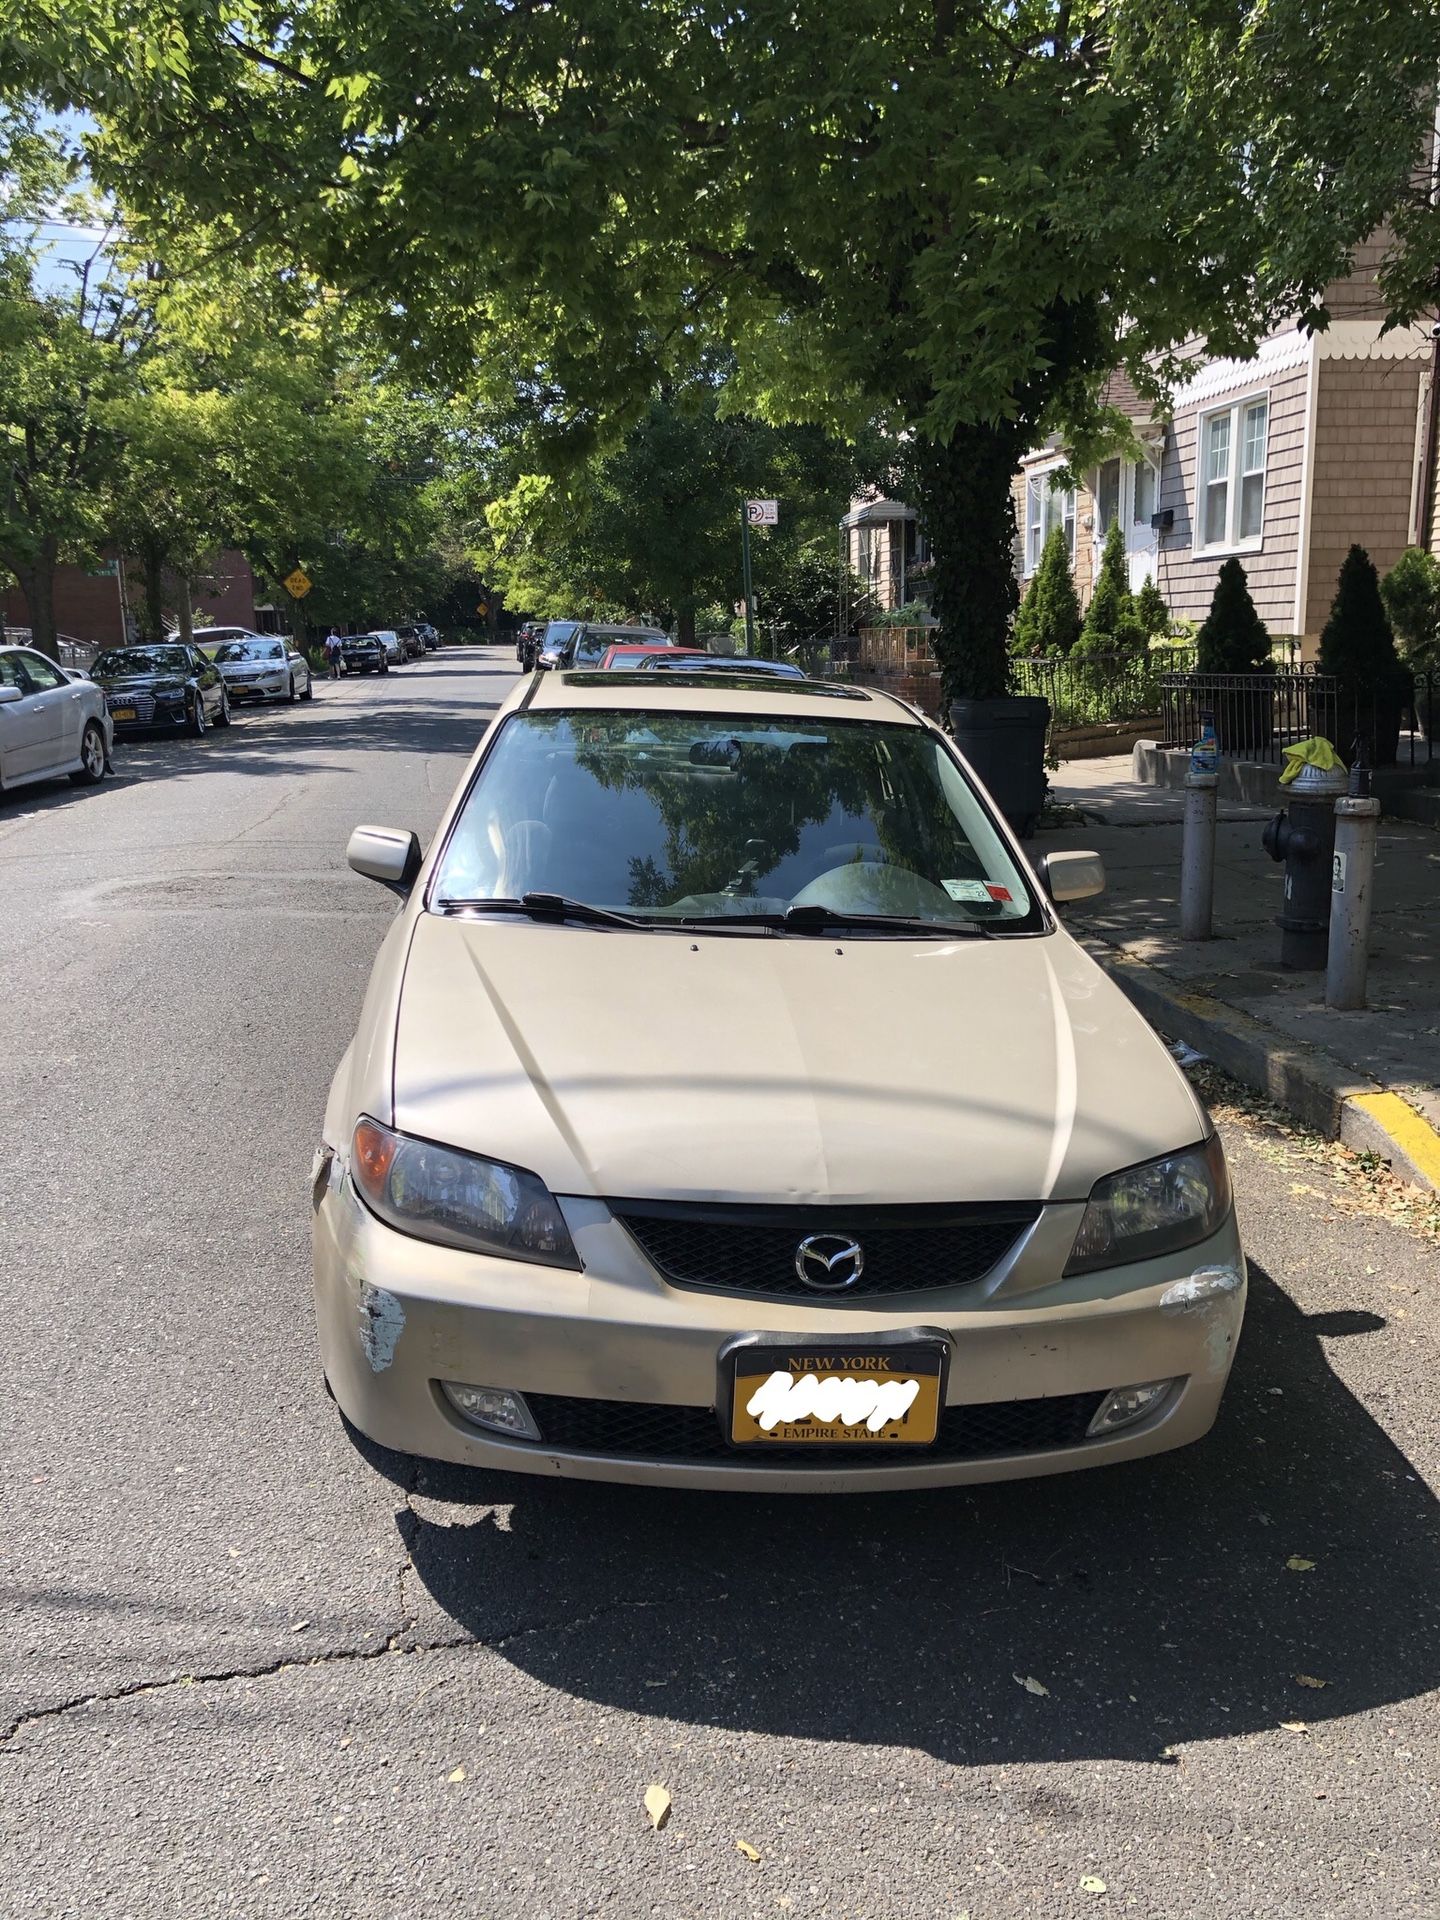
709	693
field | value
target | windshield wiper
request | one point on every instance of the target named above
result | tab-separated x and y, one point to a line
549	906
819	918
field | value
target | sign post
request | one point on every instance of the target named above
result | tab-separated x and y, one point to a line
753	513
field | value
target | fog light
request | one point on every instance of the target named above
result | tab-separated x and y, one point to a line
493	1407
1126	1405
1198	1289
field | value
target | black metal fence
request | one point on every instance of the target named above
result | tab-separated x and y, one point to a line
1257	715
1100	689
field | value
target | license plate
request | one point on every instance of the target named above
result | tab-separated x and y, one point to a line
884	1391
122	713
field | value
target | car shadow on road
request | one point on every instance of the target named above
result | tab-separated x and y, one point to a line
1119	1613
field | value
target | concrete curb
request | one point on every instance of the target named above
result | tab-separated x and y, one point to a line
1327	1096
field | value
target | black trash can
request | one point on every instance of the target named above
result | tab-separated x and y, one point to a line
1004	741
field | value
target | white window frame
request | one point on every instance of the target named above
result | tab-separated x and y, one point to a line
1234	411
1054	509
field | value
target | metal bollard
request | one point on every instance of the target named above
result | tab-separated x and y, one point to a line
1197	856
1352	886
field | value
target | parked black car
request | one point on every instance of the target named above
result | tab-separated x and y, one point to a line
166	685
364	653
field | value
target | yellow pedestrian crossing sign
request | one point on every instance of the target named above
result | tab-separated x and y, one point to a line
297	584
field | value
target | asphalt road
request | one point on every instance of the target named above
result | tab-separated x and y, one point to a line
251	1666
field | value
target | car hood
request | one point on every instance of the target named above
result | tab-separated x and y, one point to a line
785	1070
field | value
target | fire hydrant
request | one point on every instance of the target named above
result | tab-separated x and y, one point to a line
1304	838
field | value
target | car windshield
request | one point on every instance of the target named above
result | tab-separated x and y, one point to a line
117	660
689	816
249	650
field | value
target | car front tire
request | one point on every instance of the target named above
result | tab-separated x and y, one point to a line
92	757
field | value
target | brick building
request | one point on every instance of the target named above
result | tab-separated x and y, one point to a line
97	607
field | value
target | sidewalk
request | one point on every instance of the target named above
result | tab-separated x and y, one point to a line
1370	1078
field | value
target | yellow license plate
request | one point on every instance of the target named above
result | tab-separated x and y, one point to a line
886	1392
122	713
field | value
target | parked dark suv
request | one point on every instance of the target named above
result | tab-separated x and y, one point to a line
364	653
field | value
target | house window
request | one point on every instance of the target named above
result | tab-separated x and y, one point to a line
1232	475
1044	511
1144	507
1107	495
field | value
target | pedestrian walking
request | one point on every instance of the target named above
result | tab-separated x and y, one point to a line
333	652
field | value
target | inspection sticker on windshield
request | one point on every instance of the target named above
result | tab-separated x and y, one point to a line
883	1392
975	890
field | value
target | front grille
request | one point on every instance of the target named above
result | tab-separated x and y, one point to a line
143	703
751	1250
637	1430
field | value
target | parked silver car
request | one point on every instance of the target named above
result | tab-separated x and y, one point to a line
263	667
51	722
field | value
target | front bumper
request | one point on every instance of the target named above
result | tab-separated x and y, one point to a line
273	687
148	713
397	1316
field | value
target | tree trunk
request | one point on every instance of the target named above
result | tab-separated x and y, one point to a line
685	627
962	490
184	612
152	626
37	583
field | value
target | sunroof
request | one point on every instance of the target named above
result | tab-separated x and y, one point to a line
746	682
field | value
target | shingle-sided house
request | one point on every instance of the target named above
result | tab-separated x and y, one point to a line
1283	459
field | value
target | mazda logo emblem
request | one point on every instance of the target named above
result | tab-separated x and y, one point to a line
829	1262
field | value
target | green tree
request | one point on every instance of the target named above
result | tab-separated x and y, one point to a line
1411	592
1233	637
1048	622
68	352
1111	622
1357	643
956	220
1151	610
654	525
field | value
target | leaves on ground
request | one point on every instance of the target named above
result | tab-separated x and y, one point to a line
1031	1684
1359	1183
1092	1883
744	1846
1294	1726
1309	1680
1297	1563
456	1777
657	1805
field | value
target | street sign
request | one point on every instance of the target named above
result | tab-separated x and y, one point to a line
482	607
762	513
297	584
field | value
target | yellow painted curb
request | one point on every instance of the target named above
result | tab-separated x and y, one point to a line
1411	1131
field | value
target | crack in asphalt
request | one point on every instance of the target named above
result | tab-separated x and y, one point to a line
338	1656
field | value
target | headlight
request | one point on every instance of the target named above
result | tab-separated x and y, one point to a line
1159	1207
458	1199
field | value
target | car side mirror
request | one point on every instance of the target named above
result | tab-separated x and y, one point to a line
1072	876
387	854
9	695
76	674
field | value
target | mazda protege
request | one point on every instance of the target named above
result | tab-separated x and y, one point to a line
729	1108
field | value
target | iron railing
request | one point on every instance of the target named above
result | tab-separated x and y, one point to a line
1257	715
1099	689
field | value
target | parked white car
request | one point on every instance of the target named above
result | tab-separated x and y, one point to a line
51	722
263	667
